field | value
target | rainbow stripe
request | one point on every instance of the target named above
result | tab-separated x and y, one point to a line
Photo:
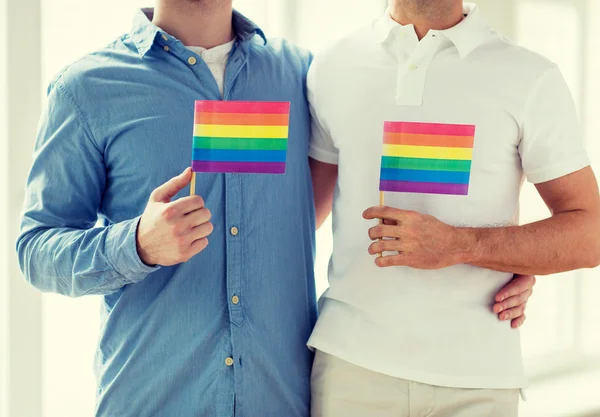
238	136
426	158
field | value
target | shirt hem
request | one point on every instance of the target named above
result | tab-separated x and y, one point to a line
570	166
470	382
323	156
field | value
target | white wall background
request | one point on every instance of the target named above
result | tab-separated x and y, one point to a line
47	342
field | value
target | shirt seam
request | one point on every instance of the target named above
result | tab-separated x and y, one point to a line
80	113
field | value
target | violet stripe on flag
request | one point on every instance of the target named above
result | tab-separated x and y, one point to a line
239	167
240	137
427	158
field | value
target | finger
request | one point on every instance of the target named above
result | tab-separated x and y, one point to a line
381	230
513	301
167	191
518	322
197	246
393	260
516	286
201	231
384	212
385	246
189	204
512	313
197	217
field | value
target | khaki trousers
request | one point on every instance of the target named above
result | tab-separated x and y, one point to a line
341	389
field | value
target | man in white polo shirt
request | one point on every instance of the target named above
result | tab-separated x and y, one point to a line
410	333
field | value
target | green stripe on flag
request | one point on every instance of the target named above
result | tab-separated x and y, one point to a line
425	164
240	143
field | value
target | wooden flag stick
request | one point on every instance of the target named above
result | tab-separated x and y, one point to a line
193	184
381	203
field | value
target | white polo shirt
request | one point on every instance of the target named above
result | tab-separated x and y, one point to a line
434	327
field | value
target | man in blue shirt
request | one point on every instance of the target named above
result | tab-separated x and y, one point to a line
219	328
227	329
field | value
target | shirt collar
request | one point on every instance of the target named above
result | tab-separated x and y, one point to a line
144	33
466	35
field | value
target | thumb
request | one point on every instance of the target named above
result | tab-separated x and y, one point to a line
167	191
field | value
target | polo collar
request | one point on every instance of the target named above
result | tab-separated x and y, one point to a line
144	33
466	35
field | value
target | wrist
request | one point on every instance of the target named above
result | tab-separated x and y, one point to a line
465	245
142	253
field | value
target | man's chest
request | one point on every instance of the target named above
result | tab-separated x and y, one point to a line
461	161
147	133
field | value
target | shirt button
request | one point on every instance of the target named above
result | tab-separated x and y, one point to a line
412	67
234	231
166	48
229	361
235	300
192	60
165	37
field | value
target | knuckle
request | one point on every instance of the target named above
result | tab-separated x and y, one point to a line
181	244
372	232
176	229
198	201
411	213
168	213
374	248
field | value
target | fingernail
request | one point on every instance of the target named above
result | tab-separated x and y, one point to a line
504	316
501	299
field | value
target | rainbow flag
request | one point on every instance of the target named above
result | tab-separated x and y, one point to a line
238	136
427	158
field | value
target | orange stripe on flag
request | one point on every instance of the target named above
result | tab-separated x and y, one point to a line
446	141
241	119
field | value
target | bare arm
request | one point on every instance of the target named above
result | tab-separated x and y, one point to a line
568	240
324	178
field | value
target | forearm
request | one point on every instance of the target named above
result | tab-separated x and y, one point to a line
78	262
324	178
564	242
322	211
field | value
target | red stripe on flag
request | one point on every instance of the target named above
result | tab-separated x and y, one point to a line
253	107
429	128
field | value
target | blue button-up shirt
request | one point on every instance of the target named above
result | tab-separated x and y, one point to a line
174	342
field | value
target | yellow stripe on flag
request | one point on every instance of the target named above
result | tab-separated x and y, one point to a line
235	131
431	152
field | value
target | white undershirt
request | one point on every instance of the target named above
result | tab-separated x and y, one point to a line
216	60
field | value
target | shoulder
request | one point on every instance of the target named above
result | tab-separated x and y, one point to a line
518	62
79	79
282	52
342	54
